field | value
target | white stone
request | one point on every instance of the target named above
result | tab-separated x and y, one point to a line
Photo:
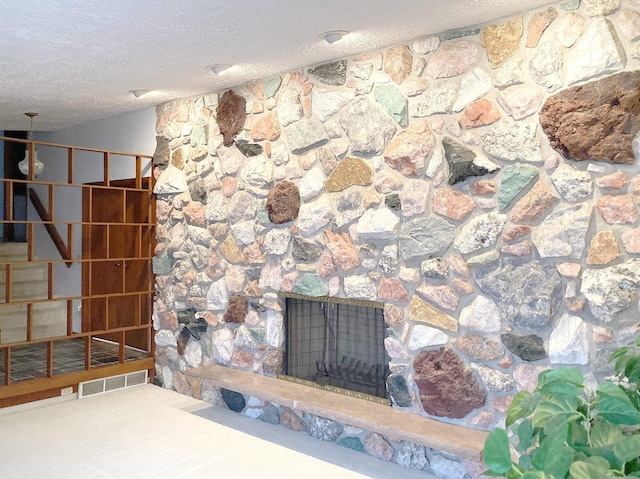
274	335
573	185
313	216
312	183
414	197
571	290
223	345
438	98
361	70
167	377
494	380
244	232
593	168
546	67
271	275
435	163
422	46
395	349
231	160
480	232
474	85
171	181
482	315
510	73
425	336
276	241
636	146
568	28
379	224
509	141
217	209
333	129
520	101
485	258
443	467
218	296
600	7
359	287
279	154
327	102
289	107
569	341
563	232
258	171
193	354
164	338
597	52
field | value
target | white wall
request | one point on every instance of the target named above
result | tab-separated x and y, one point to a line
129	133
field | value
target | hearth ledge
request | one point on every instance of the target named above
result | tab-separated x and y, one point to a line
395	424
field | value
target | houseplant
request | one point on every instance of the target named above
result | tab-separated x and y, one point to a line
565	430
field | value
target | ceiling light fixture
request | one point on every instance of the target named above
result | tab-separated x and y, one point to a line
24	165
334	35
218	69
139	93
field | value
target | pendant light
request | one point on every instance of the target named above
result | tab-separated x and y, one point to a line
38	166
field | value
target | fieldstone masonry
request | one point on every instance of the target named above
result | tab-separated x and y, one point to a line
482	183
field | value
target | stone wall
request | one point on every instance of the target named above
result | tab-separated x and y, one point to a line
482	183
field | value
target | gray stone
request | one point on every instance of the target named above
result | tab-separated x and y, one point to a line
394	102
595	8
459	33
323	429
305	134
438	98
424	237
452	59
494	380
426	45
234	400
413	456
597	51
249	149
572	184
570	5
546	67
463	162
611	290
172	181
333	73
310	285
527	348
393	201
569	341
258	171
480	232
388	262
162	265
276	241
399	391
527	293
443	467
270	413
563	232
515	178
305	251
198	191
509	141
368	127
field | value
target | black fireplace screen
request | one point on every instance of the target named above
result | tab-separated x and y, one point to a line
337	343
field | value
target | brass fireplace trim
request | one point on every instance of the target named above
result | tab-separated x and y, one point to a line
332	299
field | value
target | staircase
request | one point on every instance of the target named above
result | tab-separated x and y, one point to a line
29	281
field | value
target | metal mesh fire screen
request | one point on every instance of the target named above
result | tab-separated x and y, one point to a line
337	342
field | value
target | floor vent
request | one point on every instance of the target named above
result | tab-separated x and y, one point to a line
112	383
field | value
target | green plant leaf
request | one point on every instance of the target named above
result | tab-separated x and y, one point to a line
525	434
496	452
628	448
561	381
615	406
605	434
534	475
555	413
591	468
554	457
518	410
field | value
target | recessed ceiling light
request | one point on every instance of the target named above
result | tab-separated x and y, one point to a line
334	35
139	93
218	69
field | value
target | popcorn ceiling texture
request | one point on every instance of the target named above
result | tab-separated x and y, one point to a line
425	181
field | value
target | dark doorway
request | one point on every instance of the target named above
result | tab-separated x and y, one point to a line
15	194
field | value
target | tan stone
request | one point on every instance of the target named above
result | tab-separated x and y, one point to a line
462	286
350	171
537	202
479	113
631	240
569	270
266	128
617	209
398	61
502	40
538	24
451	203
615	180
420	310
409	149
602	335
603	249
459	266
231	251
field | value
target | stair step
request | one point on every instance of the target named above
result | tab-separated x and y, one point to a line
22	291
13	251
46	323
22	273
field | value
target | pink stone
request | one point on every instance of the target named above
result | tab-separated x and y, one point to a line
516	232
229	184
479	347
398	62
409	149
629	22
258	107
484	187
241	359
391	289
266	128
526	376
415	86
181	384
290	419
615	180
453	59
479	113
568	28
168	320
506	362
299	77
289	281
569	270
370	198
377	446
462	286
414	197
393	315
451	203
602	335
442	295
326	266
502	403
387	181
631	241
254	255
523	248
617	209
163	211
520	101
538	25
195	213
635	188
258	90
535	204
211	319
459	265
603	249
483	419
437	124
345	253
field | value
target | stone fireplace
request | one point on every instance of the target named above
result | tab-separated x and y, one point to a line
482	184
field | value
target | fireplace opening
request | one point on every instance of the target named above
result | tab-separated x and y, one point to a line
337	343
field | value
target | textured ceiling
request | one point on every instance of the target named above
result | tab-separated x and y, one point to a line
76	61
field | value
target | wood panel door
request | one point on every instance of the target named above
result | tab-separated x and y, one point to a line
117	244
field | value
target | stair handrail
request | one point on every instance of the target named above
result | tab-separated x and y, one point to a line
51	229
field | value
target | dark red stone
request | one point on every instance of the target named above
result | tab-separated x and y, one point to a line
231	115
595	121
283	202
237	310
447	386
